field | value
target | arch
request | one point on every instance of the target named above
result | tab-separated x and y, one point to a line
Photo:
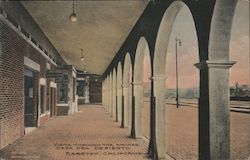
163	36
159	70
114	94
119	91
141	50
220	31
127	69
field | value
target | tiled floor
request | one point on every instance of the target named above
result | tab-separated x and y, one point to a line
89	134
91	130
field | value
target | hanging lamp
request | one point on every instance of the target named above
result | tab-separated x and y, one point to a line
73	17
82	58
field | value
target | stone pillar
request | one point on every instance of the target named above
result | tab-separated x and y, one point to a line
111	100
122	106
132	133
160	111
87	91
103	93
119	94
138	88
214	110
114	102
106	95
111	97
130	105
126	105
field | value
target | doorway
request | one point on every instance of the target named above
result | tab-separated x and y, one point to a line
30	117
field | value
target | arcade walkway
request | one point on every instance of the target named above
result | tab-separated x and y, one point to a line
90	131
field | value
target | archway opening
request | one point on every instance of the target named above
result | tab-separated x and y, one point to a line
182	88
114	94
119	91
146	94
127	90
240	83
177	45
141	52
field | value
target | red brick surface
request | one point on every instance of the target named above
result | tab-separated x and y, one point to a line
13	48
182	132
91	126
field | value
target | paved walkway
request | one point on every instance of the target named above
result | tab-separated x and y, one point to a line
182	132
89	134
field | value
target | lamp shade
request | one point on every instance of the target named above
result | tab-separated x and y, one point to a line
73	17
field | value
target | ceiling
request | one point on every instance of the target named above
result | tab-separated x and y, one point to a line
100	30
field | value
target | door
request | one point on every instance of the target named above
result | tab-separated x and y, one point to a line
29	84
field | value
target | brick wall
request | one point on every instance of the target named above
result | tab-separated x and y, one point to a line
13	48
62	110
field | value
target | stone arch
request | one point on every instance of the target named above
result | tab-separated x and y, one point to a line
159	70
127	90
119	91
141	50
114	93
220	32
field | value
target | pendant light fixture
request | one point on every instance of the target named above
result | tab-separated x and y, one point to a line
84	68
73	17
82	58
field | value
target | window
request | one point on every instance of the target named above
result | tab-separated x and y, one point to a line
80	88
63	93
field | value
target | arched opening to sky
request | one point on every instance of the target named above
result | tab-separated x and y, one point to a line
239	45
240	81
146	94
182	123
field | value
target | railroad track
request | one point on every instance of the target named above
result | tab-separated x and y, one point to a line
235	106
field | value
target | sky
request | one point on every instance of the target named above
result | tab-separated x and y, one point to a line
188	53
